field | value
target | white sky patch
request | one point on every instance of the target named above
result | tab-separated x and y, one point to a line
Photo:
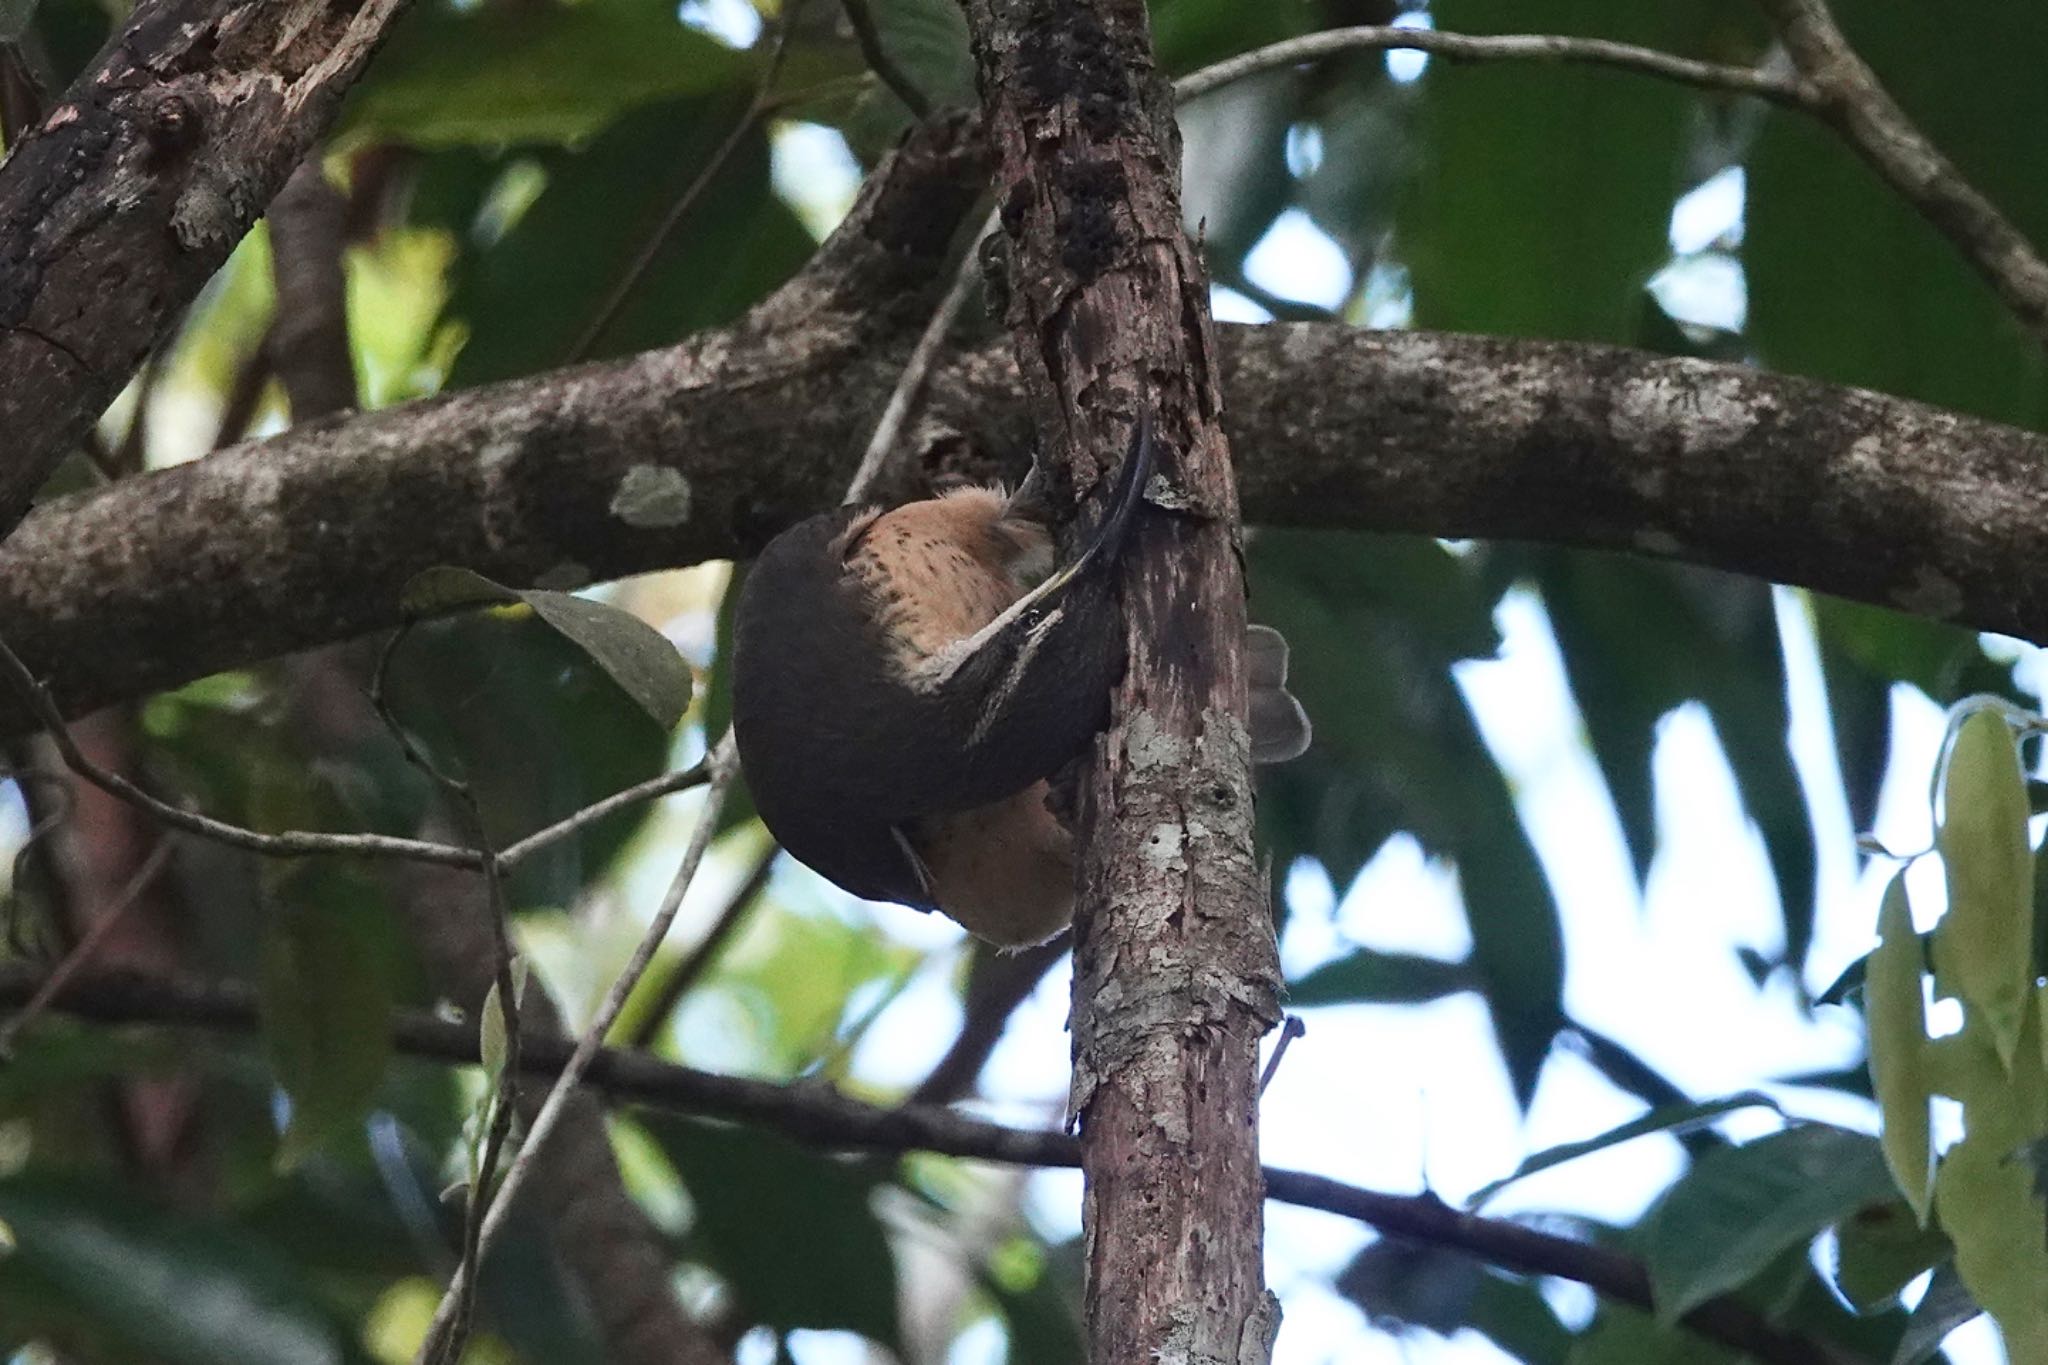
814	173
1227	305
1710	215
730	21
1297	260
1304	150
1405	67
1708	290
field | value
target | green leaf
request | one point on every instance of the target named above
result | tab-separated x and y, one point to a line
636	656
1882	1249
1850	283
102	1260
1986	938
492	1035
1367	974
1739	1209
325	998
531	297
927	40
1623	1336
545	72
1895	1013
1672	1118
1984	1191
1546	201
793	1232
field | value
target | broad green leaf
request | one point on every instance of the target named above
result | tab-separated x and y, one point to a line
1639	640
1366	974
1396	748
1623	1336
632	653
1880	1250
520	712
927	39
792	1232
102	1262
1985	1193
533	296
1673	1119
545	72
326	1007
1895	1012
1850	283
1544	201
1739	1209
1986	938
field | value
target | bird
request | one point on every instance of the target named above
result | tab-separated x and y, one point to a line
905	682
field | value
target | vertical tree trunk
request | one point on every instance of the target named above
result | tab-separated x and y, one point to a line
1175	975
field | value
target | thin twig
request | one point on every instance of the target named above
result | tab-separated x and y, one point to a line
666	784
1790	91
1851	100
724	766
87	947
705	951
869	39
449	1345
1290	1030
757	109
309	843
821	1117
910	383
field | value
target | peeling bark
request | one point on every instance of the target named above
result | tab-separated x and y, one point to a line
1175	971
134	187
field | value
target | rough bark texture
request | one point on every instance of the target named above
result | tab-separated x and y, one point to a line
246	555
136	185
1175	974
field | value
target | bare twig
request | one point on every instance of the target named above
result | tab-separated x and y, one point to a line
757	109
821	1117
1851	100
724	766
308	843
665	785
504	998
1290	1029
1790	91
869	39
82	953
910	383
692	968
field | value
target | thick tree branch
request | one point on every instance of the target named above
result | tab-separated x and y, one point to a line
135	186
822	1117
239	557
1856	105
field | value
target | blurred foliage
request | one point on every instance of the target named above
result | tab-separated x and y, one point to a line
519	177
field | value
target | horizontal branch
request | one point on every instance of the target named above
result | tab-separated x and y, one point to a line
822	1117
241	556
1541	48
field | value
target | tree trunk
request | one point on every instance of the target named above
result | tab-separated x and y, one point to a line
1175	971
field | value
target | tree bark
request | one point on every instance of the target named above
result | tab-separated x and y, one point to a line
135	186
1176	975
242	556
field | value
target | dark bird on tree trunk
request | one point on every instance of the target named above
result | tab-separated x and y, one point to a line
904	683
